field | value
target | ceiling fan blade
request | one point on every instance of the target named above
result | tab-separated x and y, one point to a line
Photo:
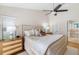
61	10
57	7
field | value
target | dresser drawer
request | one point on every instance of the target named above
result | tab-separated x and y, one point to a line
12	51
11	42
11	47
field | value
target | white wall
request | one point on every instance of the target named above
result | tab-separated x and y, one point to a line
59	23
24	16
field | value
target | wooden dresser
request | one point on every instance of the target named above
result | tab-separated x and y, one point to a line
11	47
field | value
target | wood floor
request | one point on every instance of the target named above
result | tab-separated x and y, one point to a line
73	44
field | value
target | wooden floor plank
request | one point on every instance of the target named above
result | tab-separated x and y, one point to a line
73	44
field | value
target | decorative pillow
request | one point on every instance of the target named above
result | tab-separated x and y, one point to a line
42	33
37	33
33	32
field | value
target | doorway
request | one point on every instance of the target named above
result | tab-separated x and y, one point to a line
73	33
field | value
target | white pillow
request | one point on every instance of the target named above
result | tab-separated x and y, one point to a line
32	32
27	33
37	33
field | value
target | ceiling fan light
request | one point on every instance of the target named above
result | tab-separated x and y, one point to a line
55	14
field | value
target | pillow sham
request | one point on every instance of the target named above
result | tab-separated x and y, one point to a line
27	33
33	32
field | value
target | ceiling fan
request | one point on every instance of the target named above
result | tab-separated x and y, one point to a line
57	9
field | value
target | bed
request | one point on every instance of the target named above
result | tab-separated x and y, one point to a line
55	44
36	44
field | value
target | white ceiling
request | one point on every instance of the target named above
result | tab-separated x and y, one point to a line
34	6
41	6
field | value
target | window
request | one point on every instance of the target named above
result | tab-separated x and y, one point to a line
8	27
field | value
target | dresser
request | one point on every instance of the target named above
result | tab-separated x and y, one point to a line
11	47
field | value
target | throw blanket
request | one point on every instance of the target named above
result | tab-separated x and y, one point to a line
41	44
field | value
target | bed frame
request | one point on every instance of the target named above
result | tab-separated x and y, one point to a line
58	48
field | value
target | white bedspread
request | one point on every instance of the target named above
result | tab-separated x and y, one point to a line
39	45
